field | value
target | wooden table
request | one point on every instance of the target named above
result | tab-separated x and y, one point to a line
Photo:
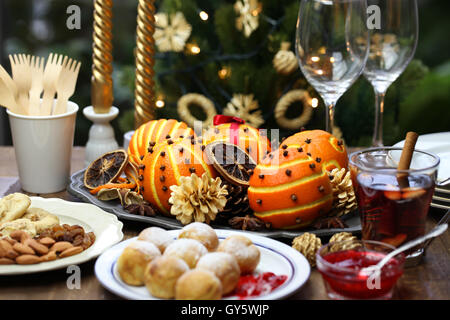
429	280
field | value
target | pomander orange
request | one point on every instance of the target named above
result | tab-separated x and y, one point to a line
322	146
246	137
289	189
155	131
165	163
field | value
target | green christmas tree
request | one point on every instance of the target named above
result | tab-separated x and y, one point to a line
236	57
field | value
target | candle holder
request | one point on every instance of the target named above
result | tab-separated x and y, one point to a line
101	134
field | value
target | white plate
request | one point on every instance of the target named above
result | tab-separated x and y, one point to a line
106	227
276	257
439	144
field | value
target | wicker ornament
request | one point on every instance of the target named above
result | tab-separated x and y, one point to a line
307	244
285	61
285	102
199	100
343	192
197	199
171	35
337	239
246	108
247	20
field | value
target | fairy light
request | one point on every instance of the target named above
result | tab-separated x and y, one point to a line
160	103
203	15
224	73
314	102
193	48
320	72
332	59
315	59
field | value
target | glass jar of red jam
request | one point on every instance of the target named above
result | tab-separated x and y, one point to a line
340	264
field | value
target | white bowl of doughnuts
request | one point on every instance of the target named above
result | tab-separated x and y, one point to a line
197	262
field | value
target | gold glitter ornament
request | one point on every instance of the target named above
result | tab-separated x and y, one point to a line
171	32
337	244
246	108
343	192
248	16
197	199
307	244
285	61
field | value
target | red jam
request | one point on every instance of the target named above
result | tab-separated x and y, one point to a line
257	285
353	284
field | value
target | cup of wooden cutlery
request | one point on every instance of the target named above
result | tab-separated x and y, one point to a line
42	118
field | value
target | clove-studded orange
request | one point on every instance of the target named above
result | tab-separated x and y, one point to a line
289	189
248	138
165	163
322	146
152	132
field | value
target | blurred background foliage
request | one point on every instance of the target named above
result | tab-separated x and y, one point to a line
419	100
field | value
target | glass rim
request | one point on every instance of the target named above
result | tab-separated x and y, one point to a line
394	170
327	264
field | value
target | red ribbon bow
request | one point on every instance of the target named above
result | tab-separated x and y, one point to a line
234	127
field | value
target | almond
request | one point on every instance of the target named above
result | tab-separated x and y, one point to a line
47	241
23	249
70	252
8	250
36	246
10	240
60	246
17	234
28	259
49	256
6	261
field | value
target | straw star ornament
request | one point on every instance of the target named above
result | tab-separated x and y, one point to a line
248	16
171	32
246	108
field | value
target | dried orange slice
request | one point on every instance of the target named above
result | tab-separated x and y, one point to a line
105	169
232	163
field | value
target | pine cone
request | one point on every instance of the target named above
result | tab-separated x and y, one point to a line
342	236
307	244
197	199
237	202
343	192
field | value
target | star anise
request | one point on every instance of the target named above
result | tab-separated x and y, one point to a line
247	222
143	209
330	223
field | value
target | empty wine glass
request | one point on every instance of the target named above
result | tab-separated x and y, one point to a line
329	48
392	45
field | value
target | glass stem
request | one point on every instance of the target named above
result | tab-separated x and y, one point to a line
377	140
329	118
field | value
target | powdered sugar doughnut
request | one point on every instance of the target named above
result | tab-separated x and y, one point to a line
189	250
162	274
133	261
224	266
158	236
243	249
201	232
198	284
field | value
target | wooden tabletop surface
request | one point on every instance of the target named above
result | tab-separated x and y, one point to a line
429	280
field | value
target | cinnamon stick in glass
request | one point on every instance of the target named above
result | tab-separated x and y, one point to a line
406	157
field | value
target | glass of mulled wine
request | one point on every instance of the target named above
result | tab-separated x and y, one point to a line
393	203
341	264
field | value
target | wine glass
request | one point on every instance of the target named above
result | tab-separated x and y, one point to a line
329	48
392	46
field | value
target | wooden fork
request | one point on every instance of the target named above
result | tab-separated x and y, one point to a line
7	98
11	86
65	86
20	66
37	75
51	74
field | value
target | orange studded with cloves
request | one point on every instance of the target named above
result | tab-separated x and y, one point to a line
163	167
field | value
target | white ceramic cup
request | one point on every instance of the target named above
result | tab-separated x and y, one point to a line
43	146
